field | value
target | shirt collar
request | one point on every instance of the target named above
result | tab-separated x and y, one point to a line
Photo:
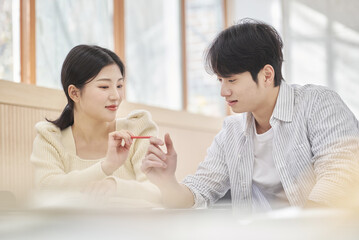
249	123
283	109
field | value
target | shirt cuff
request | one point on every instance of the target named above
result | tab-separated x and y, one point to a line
199	201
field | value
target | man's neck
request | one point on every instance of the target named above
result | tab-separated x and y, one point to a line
263	115
262	128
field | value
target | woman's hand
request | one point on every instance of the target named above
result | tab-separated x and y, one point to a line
159	166
119	143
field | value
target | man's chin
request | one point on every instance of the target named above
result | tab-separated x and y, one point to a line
236	110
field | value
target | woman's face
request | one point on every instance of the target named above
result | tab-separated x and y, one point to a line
100	98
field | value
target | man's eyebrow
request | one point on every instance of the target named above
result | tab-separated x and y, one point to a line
221	77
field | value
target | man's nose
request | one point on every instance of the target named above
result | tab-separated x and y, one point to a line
225	90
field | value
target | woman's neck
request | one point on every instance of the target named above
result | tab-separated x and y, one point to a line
89	130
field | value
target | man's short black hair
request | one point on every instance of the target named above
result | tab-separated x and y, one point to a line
246	46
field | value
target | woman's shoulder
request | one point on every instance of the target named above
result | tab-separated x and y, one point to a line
48	131
136	120
139	114
136	116
46	127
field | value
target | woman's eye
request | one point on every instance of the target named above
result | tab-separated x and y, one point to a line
104	87
232	80
219	80
119	86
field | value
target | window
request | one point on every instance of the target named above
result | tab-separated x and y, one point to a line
9	40
161	42
323	45
321	41
63	24
345	63
153	53
307	50
268	11
204	20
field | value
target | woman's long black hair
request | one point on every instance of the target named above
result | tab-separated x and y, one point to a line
81	65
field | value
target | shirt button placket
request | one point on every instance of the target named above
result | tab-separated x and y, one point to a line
243	191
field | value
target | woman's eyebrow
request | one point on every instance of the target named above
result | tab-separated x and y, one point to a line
108	79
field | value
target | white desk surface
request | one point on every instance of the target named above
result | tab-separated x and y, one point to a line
158	224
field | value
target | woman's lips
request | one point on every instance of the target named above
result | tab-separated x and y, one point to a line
112	107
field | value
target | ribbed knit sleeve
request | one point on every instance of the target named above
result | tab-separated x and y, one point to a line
140	124
57	167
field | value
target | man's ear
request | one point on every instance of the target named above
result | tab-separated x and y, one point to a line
74	93
268	74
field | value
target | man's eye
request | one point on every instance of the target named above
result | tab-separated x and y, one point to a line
219	79
104	87
232	80
119	86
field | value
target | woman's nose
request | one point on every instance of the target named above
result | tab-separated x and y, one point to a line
114	94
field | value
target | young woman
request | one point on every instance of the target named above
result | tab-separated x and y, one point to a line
87	148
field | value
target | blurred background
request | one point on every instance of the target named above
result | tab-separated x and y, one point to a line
162	43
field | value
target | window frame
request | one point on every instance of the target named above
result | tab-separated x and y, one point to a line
28	40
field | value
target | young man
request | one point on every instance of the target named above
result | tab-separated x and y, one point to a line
289	146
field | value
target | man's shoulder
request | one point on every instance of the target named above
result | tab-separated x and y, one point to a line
310	93
310	90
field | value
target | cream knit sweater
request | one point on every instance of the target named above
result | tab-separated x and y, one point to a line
57	167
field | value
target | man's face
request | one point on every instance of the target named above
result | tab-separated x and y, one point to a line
242	93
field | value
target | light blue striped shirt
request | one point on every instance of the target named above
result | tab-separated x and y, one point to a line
315	151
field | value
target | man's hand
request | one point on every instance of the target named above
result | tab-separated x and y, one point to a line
160	169
159	166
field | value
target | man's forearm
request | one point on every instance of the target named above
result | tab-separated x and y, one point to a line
312	204
176	195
